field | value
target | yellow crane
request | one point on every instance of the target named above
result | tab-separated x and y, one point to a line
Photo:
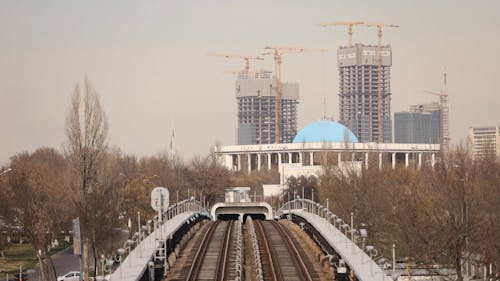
246	58
277	52
444	132
379	27
253	72
350	25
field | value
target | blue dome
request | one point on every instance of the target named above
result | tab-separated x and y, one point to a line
325	131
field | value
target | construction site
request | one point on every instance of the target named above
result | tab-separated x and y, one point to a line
267	107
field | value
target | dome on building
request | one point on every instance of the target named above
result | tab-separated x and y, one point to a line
325	131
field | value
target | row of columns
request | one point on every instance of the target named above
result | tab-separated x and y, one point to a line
238	166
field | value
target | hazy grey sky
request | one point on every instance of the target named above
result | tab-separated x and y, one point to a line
148	61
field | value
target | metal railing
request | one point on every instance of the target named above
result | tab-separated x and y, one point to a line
357	236
154	225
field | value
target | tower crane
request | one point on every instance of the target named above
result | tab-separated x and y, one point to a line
277	52
444	133
379	27
349	24
253	72
233	56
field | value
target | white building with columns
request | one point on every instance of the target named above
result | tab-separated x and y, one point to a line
325	141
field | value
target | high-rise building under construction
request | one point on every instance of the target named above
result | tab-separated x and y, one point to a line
422	124
256	109
358	90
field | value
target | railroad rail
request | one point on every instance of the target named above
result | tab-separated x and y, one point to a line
213	255
280	258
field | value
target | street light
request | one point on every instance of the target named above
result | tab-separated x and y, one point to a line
328	215
137	239
339	222
364	233
148	223
346	227
372	252
109	263
120	253
129	243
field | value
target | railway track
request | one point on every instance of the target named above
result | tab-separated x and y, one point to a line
212	259
279	254
281	259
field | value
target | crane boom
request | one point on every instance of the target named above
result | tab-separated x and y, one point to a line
255	73
379	27
277	52
246	58
350	25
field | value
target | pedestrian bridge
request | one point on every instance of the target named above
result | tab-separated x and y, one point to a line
340	237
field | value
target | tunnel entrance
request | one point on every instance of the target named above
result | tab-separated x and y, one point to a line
254	216
232	210
227	217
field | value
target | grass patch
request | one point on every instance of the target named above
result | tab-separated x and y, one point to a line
25	255
16	255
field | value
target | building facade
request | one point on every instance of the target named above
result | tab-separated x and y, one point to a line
256	110
358	91
324	141
272	156
420	125
485	141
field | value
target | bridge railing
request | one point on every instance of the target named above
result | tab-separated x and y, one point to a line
149	242
186	205
348	242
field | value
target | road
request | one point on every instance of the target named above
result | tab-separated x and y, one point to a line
64	261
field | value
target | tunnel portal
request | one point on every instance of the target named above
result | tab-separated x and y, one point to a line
241	210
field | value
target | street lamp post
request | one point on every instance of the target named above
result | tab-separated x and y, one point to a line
109	263
129	243
346	227
364	233
339	222
372	252
139	232
121	252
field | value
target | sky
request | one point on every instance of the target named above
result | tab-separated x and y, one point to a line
148	61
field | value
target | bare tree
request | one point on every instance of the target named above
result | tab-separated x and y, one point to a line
37	188
86	132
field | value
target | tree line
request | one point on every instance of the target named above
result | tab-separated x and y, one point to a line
96	182
446	215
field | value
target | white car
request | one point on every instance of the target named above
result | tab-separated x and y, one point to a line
70	276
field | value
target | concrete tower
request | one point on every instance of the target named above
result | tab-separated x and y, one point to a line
256	109
358	91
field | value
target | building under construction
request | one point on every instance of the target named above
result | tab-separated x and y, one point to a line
421	125
358	90
256	109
